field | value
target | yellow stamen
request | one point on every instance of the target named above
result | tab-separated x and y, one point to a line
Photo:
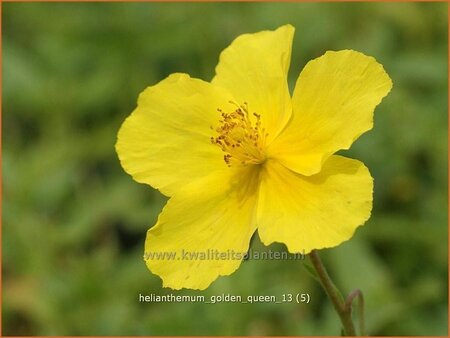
241	139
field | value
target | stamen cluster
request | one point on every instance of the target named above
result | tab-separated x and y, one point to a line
240	136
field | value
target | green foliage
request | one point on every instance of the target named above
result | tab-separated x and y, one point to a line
74	223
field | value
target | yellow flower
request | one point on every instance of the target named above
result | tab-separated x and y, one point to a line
239	153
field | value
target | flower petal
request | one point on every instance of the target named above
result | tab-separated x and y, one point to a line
212	216
333	104
313	212
165	142
254	69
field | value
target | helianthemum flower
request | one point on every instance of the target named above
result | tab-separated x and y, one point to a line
240	153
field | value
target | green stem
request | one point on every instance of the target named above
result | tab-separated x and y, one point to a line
348	306
343	308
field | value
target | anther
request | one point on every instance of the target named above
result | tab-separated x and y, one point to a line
239	137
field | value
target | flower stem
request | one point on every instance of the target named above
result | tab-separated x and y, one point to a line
348	306
343	308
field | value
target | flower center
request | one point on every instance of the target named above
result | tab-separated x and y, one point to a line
240	136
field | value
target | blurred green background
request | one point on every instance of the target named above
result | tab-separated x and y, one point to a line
74	223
